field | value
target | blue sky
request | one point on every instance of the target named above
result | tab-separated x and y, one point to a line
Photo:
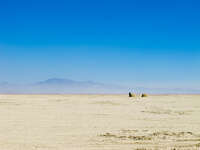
138	42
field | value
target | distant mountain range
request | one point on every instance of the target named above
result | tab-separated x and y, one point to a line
61	86
67	86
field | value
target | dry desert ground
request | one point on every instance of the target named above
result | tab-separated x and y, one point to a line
99	122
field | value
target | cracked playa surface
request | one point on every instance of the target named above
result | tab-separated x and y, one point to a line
99	122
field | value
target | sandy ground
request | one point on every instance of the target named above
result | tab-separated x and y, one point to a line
99	122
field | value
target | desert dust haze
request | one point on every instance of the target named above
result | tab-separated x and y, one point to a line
99	122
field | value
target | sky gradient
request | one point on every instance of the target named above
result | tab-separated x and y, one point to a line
139	42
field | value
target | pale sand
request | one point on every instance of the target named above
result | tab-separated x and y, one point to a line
99	122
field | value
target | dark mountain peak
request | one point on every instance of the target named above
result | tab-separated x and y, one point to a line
57	81
4	83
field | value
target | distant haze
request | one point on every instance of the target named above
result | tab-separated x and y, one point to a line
67	86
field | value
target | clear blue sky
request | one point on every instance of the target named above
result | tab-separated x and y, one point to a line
138	42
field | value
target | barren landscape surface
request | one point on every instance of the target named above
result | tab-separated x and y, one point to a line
99	122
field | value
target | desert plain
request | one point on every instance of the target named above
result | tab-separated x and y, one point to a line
99	122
